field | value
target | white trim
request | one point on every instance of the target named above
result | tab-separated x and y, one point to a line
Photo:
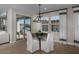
12	41
73	44
76	44
62	42
56	41
70	43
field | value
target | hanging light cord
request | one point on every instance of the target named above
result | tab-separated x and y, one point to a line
39	12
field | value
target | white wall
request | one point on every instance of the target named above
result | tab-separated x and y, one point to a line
4	37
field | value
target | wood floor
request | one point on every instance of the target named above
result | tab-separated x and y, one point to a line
20	48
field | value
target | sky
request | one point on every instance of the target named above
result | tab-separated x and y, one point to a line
21	21
55	18
52	18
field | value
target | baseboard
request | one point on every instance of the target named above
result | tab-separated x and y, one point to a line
12	42
70	43
75	41
76	44
62	42
63	39
4	43
56	41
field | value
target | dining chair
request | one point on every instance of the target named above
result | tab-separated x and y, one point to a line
32	43
47	44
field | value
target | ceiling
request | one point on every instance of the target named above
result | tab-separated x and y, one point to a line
32	9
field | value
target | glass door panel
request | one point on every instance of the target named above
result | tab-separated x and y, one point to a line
23	25
20	26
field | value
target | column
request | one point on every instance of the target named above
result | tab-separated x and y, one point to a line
11	17
70	27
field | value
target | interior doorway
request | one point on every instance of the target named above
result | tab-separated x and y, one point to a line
23	25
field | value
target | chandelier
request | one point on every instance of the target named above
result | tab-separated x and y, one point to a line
39	15
38	18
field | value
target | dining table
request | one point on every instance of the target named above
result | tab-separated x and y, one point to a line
40	36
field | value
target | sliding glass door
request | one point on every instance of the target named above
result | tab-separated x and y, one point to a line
23	25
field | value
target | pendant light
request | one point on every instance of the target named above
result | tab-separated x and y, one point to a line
38	18
39	15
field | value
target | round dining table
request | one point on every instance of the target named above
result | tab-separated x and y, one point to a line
40	36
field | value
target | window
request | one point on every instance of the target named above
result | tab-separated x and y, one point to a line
44	27
3	25
63	18
55	23
24	24
76	18
45	22
55	18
